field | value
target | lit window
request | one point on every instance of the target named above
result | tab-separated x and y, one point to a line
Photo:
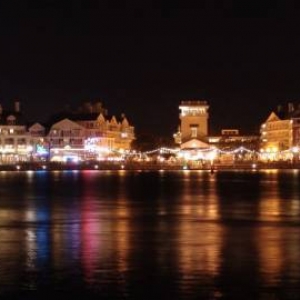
194	131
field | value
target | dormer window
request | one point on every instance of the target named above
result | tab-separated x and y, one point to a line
11	120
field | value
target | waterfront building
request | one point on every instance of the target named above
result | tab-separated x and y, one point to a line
296	129
234	146
38	141
66	141
86	133
231	139
15	143
280	134
192	134
107	132
101	130
193	128
100	135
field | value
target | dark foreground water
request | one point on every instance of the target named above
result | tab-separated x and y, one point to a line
150	235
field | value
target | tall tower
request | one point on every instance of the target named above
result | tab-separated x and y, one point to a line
193	121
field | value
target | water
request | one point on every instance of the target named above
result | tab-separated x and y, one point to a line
150	235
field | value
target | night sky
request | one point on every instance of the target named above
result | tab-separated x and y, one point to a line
142	58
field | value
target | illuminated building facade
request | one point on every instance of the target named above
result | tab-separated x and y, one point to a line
110	132
14	140
66	141
88	133
106	131
40	146
235	147
231	139
193	123
278	134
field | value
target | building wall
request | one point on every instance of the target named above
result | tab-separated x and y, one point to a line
277	135
66	133
14	143
193	121
296	132
231	142
111	134
14	139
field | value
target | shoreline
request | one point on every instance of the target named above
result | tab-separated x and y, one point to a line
104	166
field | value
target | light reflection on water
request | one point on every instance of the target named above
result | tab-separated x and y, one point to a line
146	235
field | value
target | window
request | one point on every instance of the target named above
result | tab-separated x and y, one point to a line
9	141
194	131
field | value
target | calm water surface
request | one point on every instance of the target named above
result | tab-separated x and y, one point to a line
150	235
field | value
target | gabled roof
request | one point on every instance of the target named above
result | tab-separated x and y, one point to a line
194	144
36	126
273	117
67	124
125	122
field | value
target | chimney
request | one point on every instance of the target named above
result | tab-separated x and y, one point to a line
290	107
279	108
17	106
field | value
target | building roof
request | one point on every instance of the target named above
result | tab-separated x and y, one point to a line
194	144
273	117
19	118
74	116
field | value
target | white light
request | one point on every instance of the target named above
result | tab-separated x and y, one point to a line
212	155
295	149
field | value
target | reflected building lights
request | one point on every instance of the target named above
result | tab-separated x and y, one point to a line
122	225
200	240
269	205
279	254
270	253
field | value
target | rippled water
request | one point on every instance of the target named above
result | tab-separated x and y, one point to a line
150	235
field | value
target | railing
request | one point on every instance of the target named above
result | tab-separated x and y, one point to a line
194	102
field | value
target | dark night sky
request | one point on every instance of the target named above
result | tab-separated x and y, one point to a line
143	58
